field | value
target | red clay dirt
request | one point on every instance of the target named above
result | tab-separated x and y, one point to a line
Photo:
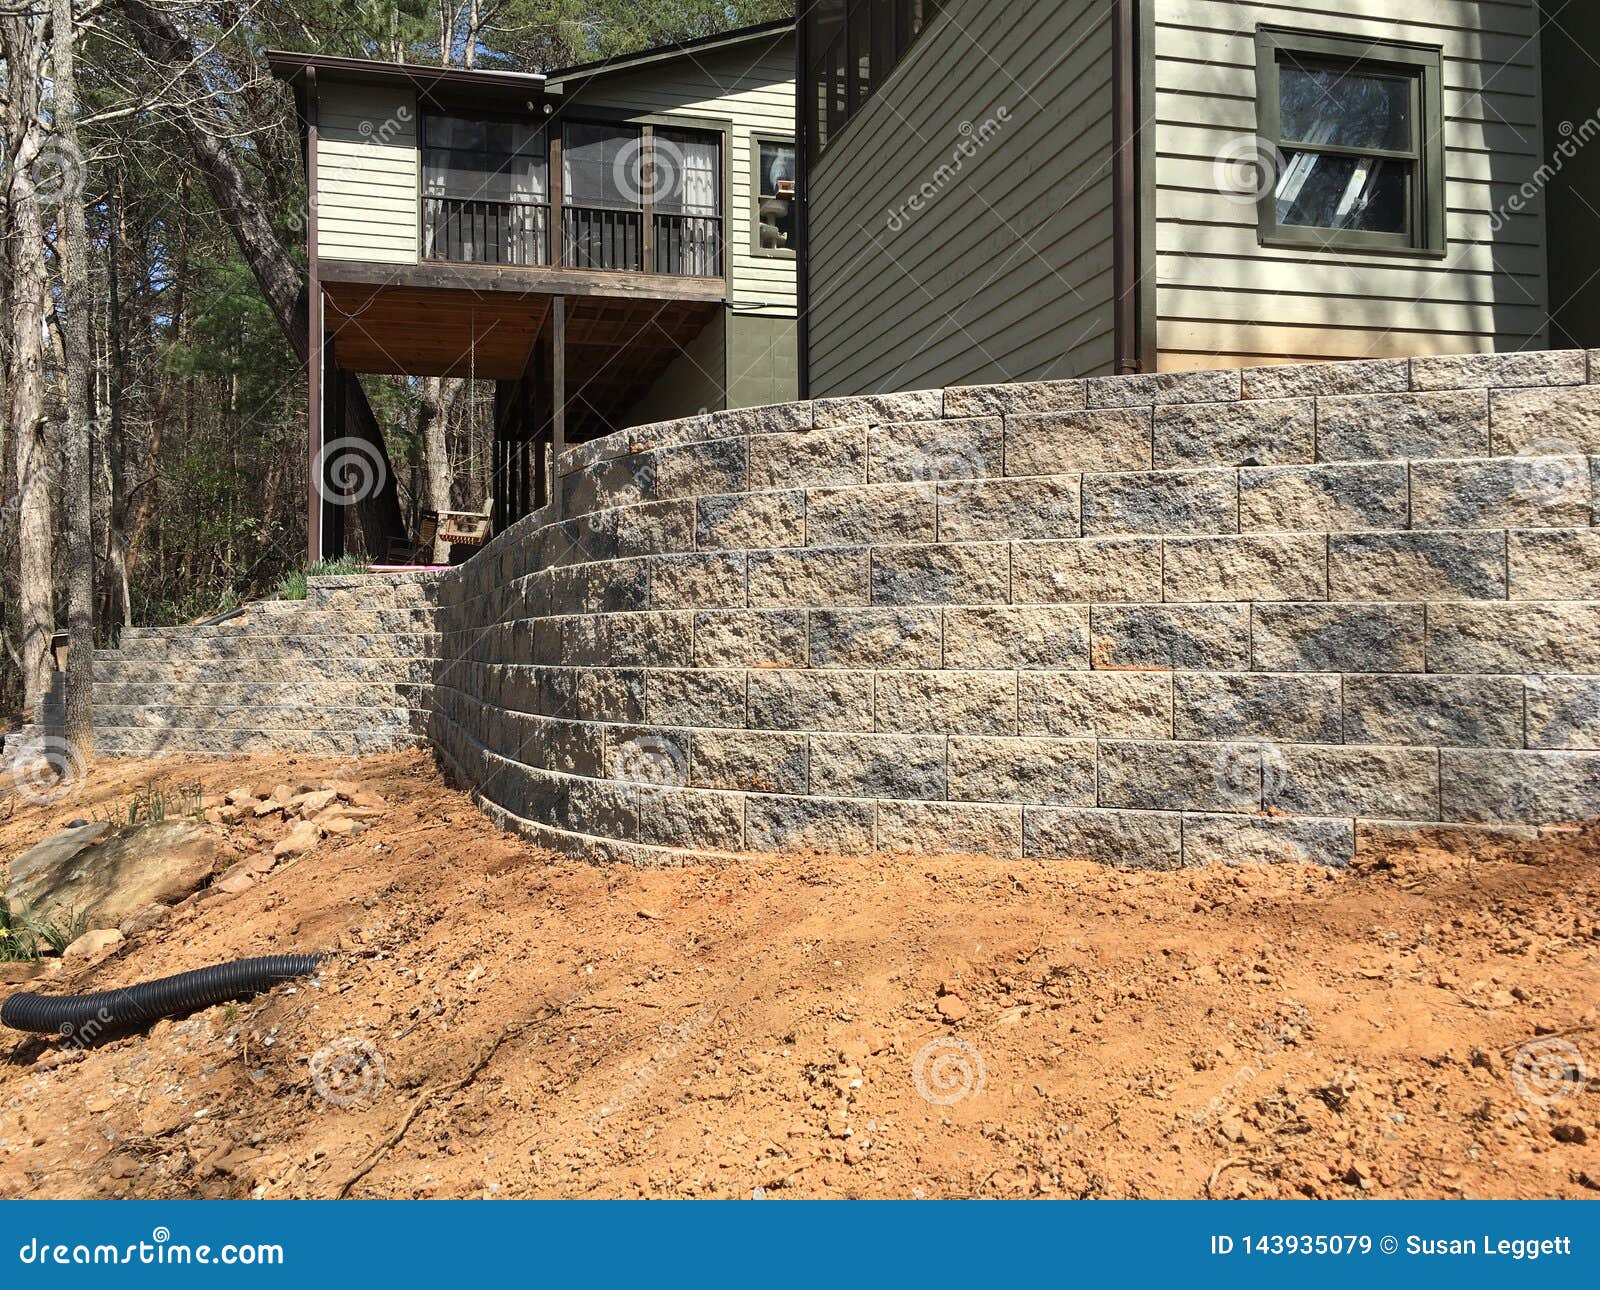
498	1021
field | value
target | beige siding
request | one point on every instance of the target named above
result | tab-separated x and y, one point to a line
961	223
366	174
1222	299
750	84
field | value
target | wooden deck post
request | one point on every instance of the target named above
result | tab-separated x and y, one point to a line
558	393
314	336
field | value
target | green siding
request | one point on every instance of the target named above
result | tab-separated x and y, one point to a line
761	361
998	126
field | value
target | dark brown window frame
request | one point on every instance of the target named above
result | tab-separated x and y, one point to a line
1423	66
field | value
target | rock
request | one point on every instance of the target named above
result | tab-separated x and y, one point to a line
1571	1132
366	798
238	797
302	837
94	944
305	805
145	920
269	807
105	876
951	1008
258	864
237	881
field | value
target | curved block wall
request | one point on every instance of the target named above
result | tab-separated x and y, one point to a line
1150	620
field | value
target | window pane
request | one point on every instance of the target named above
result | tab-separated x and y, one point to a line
687	172
1365	193
775	204
1343	108
600	165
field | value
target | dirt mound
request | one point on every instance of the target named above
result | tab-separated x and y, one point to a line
498	1021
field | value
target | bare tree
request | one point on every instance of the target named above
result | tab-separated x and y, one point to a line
22	34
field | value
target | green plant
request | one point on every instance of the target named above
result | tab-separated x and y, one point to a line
293	587
152	804
55	933
21	934
17	942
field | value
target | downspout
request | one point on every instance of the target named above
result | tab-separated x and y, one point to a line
1125	184
802	222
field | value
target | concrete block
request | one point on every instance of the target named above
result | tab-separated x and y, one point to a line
1257	432
1164	387
1558	422
1292	707
714	580
872	766
820	700
1563	711
943	828
699	697
600	809
819	824
611	694
967	703
658	528
832	458
750	638
1161	637
875	409
1258	839
1512	492
692	820
1161	502
741	521
1520	637
1064	443
699	469
1393	427
1126	839
963	448
1479	371
771	418
1337	638
1459	711
755	761
1364	495
1511	787
1045	636
1276	567
1169	776
1554	564
1302	380
1382	783
904	638
1044	506
1021	396
884	513
833	578
967	573
1417	566
1081	705
1054	772
1086	571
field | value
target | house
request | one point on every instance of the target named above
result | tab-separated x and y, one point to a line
610	243
1061	188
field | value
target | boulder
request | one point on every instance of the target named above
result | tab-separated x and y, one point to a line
302	837
105	875
94	944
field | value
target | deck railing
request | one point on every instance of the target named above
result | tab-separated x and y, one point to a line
688	245
598	237
474	231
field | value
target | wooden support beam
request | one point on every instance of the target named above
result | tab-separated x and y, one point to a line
314	334
558	394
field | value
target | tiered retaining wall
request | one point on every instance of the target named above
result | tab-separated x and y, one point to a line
1150	620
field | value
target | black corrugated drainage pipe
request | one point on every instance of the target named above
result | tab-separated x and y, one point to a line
115	1012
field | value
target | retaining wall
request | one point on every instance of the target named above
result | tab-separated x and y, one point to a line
1152	620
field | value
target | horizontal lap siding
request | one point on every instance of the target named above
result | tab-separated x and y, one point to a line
366	174
1005	272
1223	300
753	85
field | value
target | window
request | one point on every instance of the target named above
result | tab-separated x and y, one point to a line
773	159
1355	129
686	169
851	46
602	196
485	195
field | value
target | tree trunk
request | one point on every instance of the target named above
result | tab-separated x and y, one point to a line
433	425
23	38
116	428
72	249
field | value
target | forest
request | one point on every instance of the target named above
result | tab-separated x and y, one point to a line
153	210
